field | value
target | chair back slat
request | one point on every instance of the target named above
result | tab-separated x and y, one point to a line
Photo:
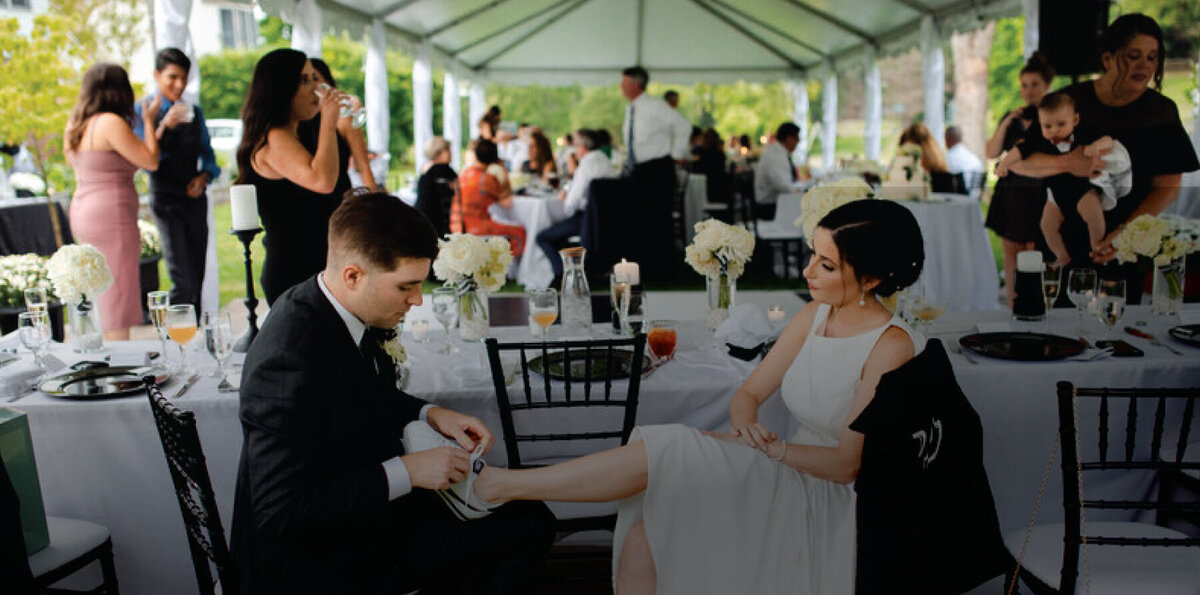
193	490
558	393
1103	434
1189	410
1160	412
1130	429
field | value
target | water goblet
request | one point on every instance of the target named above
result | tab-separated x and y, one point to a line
543	308
1110	304
35	299
218	340
156	303
181	327
445	309
1081	289
34	331
357	114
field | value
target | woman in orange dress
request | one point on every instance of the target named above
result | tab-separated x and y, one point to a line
478	190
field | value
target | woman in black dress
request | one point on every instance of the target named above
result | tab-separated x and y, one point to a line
437	185
1017	201
296	187
1122	105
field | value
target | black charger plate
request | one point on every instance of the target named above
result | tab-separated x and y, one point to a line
1025	347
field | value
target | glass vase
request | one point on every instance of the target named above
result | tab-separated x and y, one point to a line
721	292
1166	296
87	336
473	325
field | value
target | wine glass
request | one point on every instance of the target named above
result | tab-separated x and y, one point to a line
662	338
181	327
218	339
445	309
34	331
1051	280
618	293
921	309
156	303
357	114
1081	289
543	307
35	299
1110	304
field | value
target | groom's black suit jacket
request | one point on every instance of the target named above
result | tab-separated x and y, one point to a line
311	513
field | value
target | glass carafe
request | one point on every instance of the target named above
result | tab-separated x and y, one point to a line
575	295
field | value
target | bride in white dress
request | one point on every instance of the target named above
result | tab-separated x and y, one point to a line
746	512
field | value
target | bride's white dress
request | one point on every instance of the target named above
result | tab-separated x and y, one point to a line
723	518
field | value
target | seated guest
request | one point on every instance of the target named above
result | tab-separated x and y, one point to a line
709	159
513	150
328	498
479	189
592	165
672	98
604	142
566	147
540	161
932	160
775	173
436	187
960	159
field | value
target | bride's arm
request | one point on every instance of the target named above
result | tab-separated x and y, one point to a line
841	463
765	380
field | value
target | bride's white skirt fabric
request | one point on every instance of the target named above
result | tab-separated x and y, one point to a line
723	518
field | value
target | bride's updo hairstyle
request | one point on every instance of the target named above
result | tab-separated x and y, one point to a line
880	239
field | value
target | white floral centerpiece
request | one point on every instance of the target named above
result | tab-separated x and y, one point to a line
79	273
905	179
1160	243
819	200
31	183
720	251
473	265
151	240
19	272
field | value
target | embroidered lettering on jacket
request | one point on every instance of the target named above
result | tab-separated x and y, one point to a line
929	442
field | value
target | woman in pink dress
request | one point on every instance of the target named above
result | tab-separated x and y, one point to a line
100	144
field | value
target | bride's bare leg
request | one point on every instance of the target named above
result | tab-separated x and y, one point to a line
600	477
636	574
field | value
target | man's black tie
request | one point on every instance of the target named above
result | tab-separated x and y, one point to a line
372	349
792	167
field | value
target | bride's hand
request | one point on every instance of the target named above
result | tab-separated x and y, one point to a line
755	435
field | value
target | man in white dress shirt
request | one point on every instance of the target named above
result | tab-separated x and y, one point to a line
775	173
593	165
960	159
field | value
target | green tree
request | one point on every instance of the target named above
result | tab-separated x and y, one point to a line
113	30
39	82
1178	19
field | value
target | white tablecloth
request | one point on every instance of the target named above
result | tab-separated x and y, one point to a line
102	460
960	270
534	213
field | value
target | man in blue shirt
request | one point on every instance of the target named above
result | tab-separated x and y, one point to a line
177	189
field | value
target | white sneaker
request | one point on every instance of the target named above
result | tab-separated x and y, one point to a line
459	497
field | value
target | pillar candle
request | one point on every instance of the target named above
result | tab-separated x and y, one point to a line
627	272
243	201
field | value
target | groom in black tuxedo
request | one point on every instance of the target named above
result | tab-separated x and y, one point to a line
327	500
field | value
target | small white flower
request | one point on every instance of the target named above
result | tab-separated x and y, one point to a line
395	350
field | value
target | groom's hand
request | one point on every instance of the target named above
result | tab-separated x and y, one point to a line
437	468
467	430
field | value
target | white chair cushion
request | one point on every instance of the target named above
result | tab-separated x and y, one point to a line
69	539
1114	570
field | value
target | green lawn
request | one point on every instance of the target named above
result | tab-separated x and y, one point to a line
230	265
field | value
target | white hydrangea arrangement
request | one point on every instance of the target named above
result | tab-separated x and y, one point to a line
32	183
1159	239
719	249
19	272
151	240
78	272
470	262
820	200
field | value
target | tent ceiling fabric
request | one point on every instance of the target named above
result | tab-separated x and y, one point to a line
681	41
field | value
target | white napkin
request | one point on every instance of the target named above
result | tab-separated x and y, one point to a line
1189	316
1091	353
993	327
17	377
746	326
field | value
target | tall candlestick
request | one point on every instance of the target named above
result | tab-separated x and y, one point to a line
243	202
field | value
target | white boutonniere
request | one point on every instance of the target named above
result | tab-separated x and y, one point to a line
394	349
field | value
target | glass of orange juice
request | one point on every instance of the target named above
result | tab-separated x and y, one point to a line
543	308
662	339
181	327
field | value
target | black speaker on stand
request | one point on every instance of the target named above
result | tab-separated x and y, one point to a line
1068	32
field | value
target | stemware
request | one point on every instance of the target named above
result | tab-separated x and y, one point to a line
1081	290
619	296
156	303
357	115
1051	281
1110	304
635	310
921	309
543	308
34	331
35	299
662	338
445	309
218	340
181	327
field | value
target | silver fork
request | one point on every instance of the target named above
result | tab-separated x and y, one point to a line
959	350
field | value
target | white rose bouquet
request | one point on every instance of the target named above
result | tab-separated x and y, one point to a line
1159	240
820	200
78	272
469	263
720	249
19	272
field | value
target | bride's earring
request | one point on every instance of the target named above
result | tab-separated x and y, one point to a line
862	300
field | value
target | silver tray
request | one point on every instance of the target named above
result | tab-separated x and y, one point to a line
101	382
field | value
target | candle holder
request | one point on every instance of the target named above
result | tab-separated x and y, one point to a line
246	236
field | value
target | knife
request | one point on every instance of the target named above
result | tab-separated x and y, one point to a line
1150	338
186	385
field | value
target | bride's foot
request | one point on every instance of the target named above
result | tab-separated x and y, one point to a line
487	488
